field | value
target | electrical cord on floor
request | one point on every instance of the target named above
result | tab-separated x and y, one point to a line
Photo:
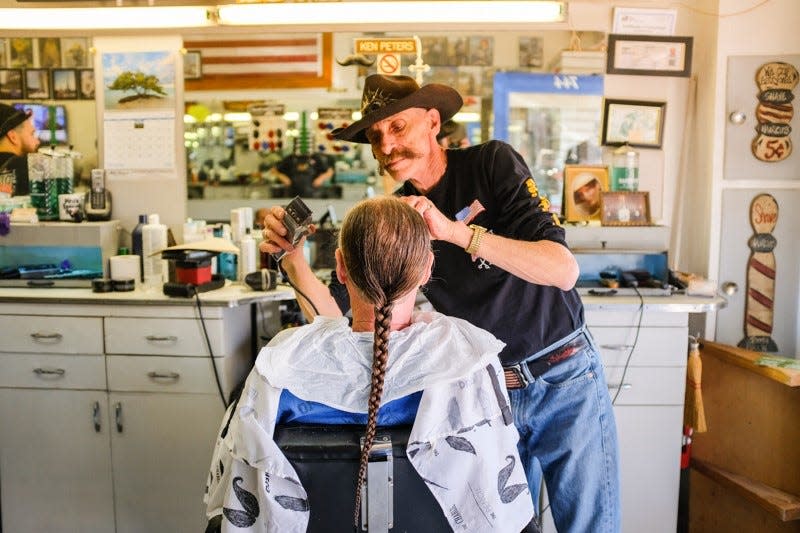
633	347
210	349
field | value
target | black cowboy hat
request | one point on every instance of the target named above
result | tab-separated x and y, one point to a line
11	117
385	96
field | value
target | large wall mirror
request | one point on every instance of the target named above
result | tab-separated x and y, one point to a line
224	167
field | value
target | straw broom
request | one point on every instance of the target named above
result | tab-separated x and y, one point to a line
693	413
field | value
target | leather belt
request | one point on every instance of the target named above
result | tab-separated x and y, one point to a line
516	377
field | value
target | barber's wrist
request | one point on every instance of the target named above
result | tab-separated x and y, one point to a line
476	238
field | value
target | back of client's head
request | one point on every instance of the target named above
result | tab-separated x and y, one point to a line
385	247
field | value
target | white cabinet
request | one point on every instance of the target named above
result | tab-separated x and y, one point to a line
162	446
55	461
109	412
645	367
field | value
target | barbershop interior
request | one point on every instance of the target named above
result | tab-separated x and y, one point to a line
143	305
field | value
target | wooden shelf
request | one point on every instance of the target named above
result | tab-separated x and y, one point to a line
778	503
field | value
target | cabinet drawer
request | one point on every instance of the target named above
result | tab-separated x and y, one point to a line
653	347
171	374
52	334
173	336
52	371
647	385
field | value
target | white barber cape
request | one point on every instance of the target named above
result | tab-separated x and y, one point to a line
460	443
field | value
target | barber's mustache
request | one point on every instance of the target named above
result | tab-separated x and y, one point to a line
356	59
400	153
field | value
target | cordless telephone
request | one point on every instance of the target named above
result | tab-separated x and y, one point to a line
97	204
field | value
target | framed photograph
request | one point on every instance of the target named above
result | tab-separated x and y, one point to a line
531	52
633	122
3	53
65	83
86	84
20	52
74	52
192	65
49	52
644	21
649	55
37	83
625	209
583	186
11	84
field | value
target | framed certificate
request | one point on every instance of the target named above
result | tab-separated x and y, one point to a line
649	55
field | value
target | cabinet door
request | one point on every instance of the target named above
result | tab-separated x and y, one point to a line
55	463
161	447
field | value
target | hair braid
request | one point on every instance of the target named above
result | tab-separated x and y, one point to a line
380	356
385	245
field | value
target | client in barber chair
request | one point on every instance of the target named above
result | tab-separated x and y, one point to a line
390	366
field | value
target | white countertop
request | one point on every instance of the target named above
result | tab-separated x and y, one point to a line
231	295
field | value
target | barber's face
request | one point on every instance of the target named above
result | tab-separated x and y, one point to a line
402	143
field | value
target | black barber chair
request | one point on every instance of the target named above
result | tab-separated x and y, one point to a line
326	460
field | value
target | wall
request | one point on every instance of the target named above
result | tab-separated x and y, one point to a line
745	28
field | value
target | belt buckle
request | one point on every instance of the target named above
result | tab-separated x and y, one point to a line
517	370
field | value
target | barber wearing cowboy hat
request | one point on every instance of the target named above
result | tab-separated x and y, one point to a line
17	139
502	263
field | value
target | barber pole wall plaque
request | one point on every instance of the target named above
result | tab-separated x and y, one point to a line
774	111
761	270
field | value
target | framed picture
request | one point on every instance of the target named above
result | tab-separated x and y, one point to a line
192	65
649	55
37	83
625	209
86	84
74	52
20	52
10	83
531	52
65	83
49	52
583	185
633	122
644	21
3	53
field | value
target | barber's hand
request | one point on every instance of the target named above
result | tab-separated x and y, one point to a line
274	234
439	226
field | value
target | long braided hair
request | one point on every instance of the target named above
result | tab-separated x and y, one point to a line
384	244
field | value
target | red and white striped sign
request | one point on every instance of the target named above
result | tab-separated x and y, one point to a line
258	55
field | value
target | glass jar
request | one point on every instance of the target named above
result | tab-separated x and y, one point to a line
625	169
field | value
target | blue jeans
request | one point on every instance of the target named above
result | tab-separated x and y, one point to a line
567	429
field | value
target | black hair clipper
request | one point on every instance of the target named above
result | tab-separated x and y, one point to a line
297	222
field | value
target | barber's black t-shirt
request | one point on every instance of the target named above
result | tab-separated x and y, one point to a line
302	170
19	164
490	185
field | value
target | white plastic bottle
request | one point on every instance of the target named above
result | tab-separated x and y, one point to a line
154	238
247	255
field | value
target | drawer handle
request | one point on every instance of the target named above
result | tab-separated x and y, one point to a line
49	372
118	416
622	386
44	337
617	347
172	376
162	338
96	416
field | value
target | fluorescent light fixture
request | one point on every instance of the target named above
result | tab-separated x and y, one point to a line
81	18
391	13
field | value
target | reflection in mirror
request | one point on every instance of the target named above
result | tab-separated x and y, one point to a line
222	163
552	120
